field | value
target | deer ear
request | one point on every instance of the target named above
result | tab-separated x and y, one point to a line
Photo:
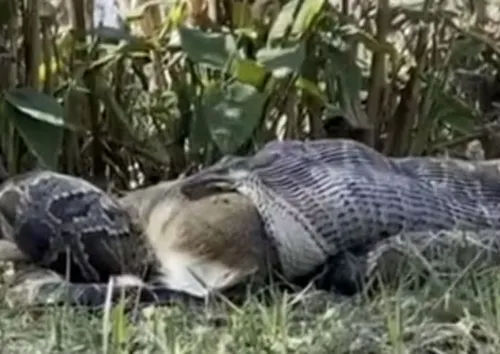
206	182
220	177
200	190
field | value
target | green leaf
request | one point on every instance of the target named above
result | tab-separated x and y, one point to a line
8	11
199	134
39	120
299	18
249	72
311	88
213	49
283	61
137	12
440	105
112	34
334	111
463	50
342	70
345	68
454	112
354	34
241	15
232	112
307	14
36	105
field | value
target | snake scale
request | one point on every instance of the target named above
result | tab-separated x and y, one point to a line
322	199
84	236
321	202
79	238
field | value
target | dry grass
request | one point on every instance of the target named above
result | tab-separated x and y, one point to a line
451	317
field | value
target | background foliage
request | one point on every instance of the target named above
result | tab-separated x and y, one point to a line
182	82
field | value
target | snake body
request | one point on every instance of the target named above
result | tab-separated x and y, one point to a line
320	199
85	237
80	238
321	203
67	224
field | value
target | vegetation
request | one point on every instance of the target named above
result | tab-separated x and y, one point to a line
184	82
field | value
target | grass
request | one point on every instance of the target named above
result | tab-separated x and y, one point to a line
457	310
455	317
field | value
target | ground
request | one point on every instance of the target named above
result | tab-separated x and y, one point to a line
460	315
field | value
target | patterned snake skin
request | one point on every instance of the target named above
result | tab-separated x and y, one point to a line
322	199
328	202
50	213
80	238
